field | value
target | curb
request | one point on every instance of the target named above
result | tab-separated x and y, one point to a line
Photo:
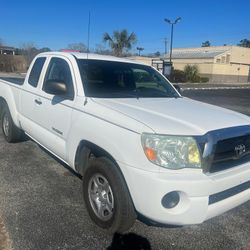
214	88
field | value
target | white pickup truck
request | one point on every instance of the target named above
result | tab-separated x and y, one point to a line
140	146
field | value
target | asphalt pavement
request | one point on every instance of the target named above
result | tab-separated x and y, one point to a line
42	207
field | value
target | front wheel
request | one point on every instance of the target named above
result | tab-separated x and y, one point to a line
107	197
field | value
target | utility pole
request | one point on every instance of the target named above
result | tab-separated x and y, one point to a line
166	43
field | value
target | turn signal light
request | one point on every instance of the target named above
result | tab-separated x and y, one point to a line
150	153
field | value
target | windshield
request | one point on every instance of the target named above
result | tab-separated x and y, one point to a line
107	79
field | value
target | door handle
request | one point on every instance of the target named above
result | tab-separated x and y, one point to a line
38	102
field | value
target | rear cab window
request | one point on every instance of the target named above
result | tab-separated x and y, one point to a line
36	71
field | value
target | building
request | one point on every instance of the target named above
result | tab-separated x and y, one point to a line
227	64
220	64
5	50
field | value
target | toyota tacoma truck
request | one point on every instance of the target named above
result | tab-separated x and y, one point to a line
140	147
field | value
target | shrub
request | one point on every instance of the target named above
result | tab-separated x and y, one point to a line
204	79
196	78
178	76
191	72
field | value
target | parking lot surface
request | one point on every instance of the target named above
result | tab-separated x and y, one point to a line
42	207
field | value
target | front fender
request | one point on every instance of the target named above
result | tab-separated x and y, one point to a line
122	144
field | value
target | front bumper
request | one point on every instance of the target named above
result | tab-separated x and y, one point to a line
195	189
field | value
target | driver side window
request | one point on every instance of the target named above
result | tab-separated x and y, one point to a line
59	71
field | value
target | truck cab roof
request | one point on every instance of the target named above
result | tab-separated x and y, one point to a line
90	56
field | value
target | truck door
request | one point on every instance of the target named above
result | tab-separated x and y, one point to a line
54	112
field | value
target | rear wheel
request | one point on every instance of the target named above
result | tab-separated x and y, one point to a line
107	197
10	131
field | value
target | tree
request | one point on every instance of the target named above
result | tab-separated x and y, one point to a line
102	50
206	44
157	53
29	51
244	43
191	72
119	41
139	50
45	49
81	47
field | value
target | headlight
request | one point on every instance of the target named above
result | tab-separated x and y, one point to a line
172	152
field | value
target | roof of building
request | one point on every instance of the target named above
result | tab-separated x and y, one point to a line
7	48
188	54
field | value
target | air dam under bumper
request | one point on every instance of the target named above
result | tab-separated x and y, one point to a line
194	187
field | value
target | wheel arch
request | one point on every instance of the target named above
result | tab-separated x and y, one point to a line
2	103
84	149
83	152
8	99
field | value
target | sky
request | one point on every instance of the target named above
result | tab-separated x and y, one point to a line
55	24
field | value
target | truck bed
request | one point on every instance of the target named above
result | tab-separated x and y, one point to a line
14	80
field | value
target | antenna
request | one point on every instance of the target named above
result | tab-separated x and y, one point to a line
88	35
86	98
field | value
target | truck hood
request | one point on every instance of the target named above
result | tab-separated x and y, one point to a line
176	116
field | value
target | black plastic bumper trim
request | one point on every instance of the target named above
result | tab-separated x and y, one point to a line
228	193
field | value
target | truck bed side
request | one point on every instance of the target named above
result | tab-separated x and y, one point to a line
10	93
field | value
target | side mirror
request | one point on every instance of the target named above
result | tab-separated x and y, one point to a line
54	87
177	87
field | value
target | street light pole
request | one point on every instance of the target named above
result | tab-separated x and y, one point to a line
171	43
165	42
172	32
139	50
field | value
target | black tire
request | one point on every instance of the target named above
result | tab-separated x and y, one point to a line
14	134
123	212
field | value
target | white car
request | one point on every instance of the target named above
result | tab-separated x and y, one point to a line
140	146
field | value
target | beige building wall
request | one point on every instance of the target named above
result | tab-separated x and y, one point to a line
240	55
231	64
230	73
204	68
230	69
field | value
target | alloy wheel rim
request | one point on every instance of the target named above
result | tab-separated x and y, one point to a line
101	197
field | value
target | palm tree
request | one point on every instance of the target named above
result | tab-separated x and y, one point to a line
206	44
119	41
